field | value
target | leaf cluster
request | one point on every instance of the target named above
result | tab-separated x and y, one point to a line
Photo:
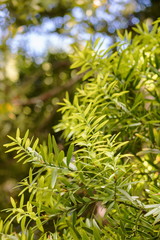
106	186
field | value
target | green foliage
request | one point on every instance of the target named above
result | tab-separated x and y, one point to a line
34	77
106	186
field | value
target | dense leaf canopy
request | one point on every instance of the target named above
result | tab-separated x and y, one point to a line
36	38
106	185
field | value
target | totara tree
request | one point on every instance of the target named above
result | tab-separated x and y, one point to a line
36	37
105	185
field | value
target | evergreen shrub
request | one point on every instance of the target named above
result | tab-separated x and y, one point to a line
106	186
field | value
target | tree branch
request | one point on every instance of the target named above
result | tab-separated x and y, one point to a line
51	93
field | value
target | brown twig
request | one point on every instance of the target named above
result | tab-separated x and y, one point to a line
51	93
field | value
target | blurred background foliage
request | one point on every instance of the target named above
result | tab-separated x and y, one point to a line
36	38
